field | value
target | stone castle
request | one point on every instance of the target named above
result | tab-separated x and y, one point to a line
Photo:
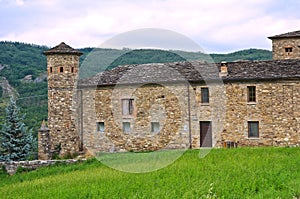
173	105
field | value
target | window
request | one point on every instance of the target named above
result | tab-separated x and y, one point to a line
204	95
61	69
253	130
100	126
72	70
127	106
251	94
154	127
126	127
288	49
50	69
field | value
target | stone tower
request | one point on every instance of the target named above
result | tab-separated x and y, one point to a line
286	46
62	68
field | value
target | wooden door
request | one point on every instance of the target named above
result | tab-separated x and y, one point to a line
205	134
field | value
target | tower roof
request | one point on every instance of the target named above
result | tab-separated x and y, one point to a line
286	35
63	48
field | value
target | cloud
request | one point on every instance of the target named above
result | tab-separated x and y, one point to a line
215	25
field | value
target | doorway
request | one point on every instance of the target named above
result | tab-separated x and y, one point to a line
205	134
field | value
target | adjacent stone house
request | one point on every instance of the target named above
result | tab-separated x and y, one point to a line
174	105
286	46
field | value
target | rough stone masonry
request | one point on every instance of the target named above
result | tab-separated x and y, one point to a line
174	105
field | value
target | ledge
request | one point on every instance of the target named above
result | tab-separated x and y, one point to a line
254	138
205	104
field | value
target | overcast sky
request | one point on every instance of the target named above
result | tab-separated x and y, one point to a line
215	25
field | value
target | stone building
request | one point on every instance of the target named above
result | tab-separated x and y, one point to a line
286	46
175	105
62	68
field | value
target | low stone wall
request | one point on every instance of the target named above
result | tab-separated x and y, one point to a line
11	167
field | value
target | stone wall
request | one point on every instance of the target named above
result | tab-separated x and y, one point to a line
214	111
279	46
44	143
276	110
167	104
152	103
11	167
61	104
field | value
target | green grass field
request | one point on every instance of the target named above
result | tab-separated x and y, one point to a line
232	173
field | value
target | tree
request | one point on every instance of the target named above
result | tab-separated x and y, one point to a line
17	141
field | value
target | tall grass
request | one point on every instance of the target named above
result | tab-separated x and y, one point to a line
233	173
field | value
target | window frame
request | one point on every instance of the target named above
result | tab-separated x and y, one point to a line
250	129
251	94
204	95
98	127
153	127
130	106
288	49
124	129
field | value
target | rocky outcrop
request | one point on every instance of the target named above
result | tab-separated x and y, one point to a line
8	90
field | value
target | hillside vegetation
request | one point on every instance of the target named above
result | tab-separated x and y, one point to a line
223	173
19	60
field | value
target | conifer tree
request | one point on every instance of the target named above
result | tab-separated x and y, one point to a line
16	141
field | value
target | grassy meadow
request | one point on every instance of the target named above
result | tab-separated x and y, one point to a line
223	173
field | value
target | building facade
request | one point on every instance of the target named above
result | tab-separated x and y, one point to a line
286	46
175	105
62	69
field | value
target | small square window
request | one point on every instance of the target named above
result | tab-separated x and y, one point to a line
204	95
100	126
155	127
126	127
288	49
253	129
251	93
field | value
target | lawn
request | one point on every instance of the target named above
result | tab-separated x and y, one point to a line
223	173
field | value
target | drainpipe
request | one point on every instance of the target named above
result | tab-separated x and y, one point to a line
80	118
189	116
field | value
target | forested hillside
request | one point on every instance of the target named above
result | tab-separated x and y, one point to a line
17	61
23	67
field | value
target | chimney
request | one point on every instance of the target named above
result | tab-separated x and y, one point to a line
224	71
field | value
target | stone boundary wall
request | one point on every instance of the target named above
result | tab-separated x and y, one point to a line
11	167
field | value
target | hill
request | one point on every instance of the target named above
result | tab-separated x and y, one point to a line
24	68
145	56
223	173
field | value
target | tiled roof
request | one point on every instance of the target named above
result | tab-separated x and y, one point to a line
62	48
286	35
195	71
264	70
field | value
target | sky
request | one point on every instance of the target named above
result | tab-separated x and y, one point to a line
217	26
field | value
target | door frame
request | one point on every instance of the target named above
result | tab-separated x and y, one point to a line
209	132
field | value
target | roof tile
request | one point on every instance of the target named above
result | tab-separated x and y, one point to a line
62	48
287	35
195	71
